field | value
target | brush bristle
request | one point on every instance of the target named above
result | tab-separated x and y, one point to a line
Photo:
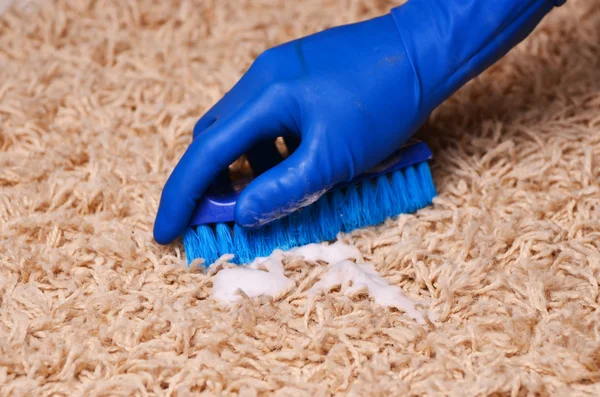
343	210
201	243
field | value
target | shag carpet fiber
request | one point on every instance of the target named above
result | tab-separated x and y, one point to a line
97	104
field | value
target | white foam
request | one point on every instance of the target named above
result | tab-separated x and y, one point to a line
354	277
265	276
252	279
333	253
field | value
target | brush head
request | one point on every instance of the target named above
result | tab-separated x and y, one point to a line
400	184
218	203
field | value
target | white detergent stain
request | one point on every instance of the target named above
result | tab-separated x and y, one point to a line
333	253
252	279
265	276
356	277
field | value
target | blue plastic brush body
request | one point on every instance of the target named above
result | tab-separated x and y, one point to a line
400	184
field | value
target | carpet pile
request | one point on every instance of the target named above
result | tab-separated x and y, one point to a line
97	103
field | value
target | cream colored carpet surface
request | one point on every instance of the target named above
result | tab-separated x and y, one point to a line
97	104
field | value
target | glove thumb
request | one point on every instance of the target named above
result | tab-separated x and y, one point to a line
296	182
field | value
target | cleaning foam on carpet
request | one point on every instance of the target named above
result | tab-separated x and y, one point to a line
357	277
252	279
265	276
333	253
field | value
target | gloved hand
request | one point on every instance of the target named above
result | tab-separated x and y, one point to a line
352	94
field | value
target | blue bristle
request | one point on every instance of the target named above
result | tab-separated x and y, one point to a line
337	206
259	241
328	220
289	231
200	243
294	226
241	244
279	234
384	197
190	244
225	240
266	239
297	224
415	192
401	199
370	213
340	210
310	230
351	212
426	180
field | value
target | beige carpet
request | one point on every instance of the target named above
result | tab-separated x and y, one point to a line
97	103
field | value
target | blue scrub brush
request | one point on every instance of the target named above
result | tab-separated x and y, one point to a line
401	184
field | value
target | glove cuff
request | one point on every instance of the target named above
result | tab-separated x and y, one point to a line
450	42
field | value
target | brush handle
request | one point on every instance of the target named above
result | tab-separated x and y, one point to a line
218	203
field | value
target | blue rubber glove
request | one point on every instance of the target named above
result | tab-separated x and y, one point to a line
352	94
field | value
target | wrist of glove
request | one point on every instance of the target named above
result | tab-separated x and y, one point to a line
451	42
349	96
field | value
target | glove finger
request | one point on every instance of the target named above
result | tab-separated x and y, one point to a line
208	119
209	155
296	182
247	87
202	125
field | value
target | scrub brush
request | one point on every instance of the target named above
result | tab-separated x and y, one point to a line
401	184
